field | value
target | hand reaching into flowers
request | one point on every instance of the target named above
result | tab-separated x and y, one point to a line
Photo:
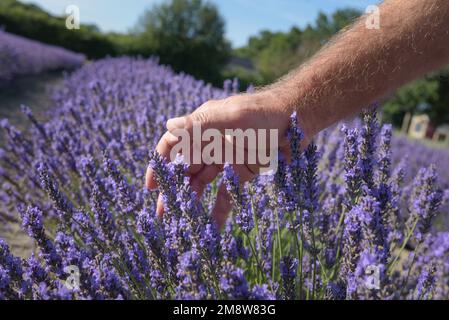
358	67
263	110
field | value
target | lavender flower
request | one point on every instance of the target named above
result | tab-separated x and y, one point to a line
353	169
10	273
65	208
426	283
297	166
32	223
165	179
289	266
21	56
233	282
426	198
314	229
352	238
189	272
261	293
229	244
368	146
244	216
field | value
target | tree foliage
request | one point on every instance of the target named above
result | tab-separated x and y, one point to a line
429	95
188	35
276	53
30	21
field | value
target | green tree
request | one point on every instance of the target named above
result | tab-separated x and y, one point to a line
188	35
410	98
32	22
439	112
432	92
275	54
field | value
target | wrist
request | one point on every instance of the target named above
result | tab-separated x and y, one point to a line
294	96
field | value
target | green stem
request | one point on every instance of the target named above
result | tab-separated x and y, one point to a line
410	268
257	259
406	240
337	255
279	245
314	263
301	253
279	236
299	249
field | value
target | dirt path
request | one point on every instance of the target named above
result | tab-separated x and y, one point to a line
34	92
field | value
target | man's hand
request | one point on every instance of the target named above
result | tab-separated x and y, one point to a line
356	68
262	110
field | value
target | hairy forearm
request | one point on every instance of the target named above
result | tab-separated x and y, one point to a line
360	65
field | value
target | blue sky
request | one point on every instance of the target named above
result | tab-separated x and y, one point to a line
243	17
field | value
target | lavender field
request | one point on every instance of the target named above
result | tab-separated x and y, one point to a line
20	56
350	204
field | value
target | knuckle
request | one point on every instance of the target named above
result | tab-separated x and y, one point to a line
208	104
201	117
211	102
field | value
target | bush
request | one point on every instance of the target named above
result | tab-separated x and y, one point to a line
20	56
32	22
188	35
313	230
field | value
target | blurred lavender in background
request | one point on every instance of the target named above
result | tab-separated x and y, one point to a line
351	202
20	56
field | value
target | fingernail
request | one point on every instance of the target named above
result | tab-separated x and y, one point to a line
171	138
176	123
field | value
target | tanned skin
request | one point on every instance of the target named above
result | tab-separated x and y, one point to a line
356	68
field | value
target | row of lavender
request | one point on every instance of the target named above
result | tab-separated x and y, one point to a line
20	56
340	221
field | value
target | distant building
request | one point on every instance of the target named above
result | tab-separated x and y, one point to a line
441	134
421	127
244	63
